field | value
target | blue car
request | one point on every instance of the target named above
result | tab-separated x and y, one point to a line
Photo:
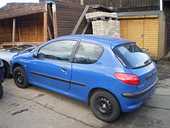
111	75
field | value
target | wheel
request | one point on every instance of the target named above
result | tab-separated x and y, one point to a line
7	70
1	91
20	78
105	106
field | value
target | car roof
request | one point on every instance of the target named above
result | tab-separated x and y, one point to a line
103	40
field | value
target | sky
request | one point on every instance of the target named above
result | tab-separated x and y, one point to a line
3	2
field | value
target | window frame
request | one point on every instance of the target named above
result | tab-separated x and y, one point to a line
85	42
55	41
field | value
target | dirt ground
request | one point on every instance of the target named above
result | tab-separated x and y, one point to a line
37	108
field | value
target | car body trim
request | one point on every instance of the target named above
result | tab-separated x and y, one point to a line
77	83
141	93
57	78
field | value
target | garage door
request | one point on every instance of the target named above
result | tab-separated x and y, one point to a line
145	32
151	36
133	30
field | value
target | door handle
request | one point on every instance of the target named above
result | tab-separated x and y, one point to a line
63	69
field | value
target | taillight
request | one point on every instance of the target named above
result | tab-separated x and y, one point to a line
129	79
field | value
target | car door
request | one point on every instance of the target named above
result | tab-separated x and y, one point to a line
51	68
84	68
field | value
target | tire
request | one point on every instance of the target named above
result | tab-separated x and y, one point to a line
7	70
1	91
20	78
105	106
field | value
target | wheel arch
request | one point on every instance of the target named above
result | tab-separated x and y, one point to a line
5	62
16	65
7	68
93	90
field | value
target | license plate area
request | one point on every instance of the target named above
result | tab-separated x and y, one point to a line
150	78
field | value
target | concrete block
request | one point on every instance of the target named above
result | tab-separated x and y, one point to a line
108	28
94	15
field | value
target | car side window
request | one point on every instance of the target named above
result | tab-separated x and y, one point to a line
88	53
60	50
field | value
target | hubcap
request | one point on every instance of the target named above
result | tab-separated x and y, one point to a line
19	77
104	106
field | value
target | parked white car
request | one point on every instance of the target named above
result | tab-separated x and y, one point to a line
6	55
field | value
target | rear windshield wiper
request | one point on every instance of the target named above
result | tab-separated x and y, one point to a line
147	62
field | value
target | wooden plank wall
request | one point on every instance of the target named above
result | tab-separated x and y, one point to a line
67	17
5	30
30	28
167	14
127	5
146	33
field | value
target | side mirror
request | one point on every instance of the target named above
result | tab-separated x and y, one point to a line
35	54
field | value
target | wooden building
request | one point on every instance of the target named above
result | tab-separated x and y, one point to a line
120	5
22	23
147	29
127	5
34	23
143	22
146	22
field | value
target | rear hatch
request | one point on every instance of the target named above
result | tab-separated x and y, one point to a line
147	75
137	62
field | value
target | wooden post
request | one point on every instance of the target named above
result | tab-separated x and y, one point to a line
13	30
85	28
54	20
162	46
49	33
50	13
45	25
80	19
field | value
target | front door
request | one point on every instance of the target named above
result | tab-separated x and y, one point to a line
51	68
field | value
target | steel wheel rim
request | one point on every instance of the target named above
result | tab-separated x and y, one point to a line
19	77
104	105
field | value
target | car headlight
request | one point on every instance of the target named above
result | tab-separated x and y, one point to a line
1	64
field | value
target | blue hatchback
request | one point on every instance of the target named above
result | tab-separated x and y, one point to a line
111	75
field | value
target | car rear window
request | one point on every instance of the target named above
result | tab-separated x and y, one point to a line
132	56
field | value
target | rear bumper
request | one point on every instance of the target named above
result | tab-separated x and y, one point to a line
132	101
141	93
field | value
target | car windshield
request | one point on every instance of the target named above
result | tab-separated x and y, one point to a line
27	50
19	48
132	56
